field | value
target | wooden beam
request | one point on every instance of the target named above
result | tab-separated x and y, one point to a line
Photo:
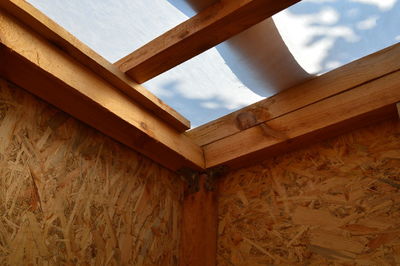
59	37
398	108
339	80
199	227
342	112
32	62
210	27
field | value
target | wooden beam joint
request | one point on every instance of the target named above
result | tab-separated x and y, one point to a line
60	79
192	178
213	174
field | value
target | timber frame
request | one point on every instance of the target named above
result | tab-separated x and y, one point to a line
100	94
40	56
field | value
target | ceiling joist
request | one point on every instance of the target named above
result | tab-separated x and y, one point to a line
41	57
32	62
65	41
207	29
359	106
339	80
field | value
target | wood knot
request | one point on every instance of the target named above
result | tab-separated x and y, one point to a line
270	132
144	126
245	120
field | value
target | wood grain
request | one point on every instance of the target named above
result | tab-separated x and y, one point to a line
339	80
199	227
332	203
205	30
31	62
72	196
63	40
345	111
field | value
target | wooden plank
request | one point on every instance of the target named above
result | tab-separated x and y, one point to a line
210	27
32	63
59	37
346	77
345	111
199	227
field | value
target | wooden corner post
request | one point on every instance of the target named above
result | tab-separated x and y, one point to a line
200	217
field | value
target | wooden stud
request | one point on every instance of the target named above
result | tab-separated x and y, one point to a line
210	27
348	110
63	40
33	63
199	226
339	80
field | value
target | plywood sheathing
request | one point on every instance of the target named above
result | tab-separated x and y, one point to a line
70	196
335	203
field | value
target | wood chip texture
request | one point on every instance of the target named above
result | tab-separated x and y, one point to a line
71	196
333	203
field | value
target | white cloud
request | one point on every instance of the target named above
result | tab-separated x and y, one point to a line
210	105
298	32
206	77
328	16
383	5
333	64
367	24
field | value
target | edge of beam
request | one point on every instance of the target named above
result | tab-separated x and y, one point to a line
65	41
336	81
340	113
215	24
32	62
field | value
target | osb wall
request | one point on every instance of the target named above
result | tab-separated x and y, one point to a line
71	196
335	203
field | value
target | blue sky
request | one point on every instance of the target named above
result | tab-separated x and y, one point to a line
322	35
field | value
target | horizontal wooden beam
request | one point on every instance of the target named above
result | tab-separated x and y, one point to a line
32	62
60	38
339	80
342	112
210	27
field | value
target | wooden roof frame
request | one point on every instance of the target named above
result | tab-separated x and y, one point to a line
60	69
210	27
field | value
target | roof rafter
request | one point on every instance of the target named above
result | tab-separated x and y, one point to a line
58	36
210	27
336	81
32	62
51	64
359	106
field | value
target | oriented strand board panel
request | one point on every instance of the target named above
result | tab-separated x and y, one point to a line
71	196
335	203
